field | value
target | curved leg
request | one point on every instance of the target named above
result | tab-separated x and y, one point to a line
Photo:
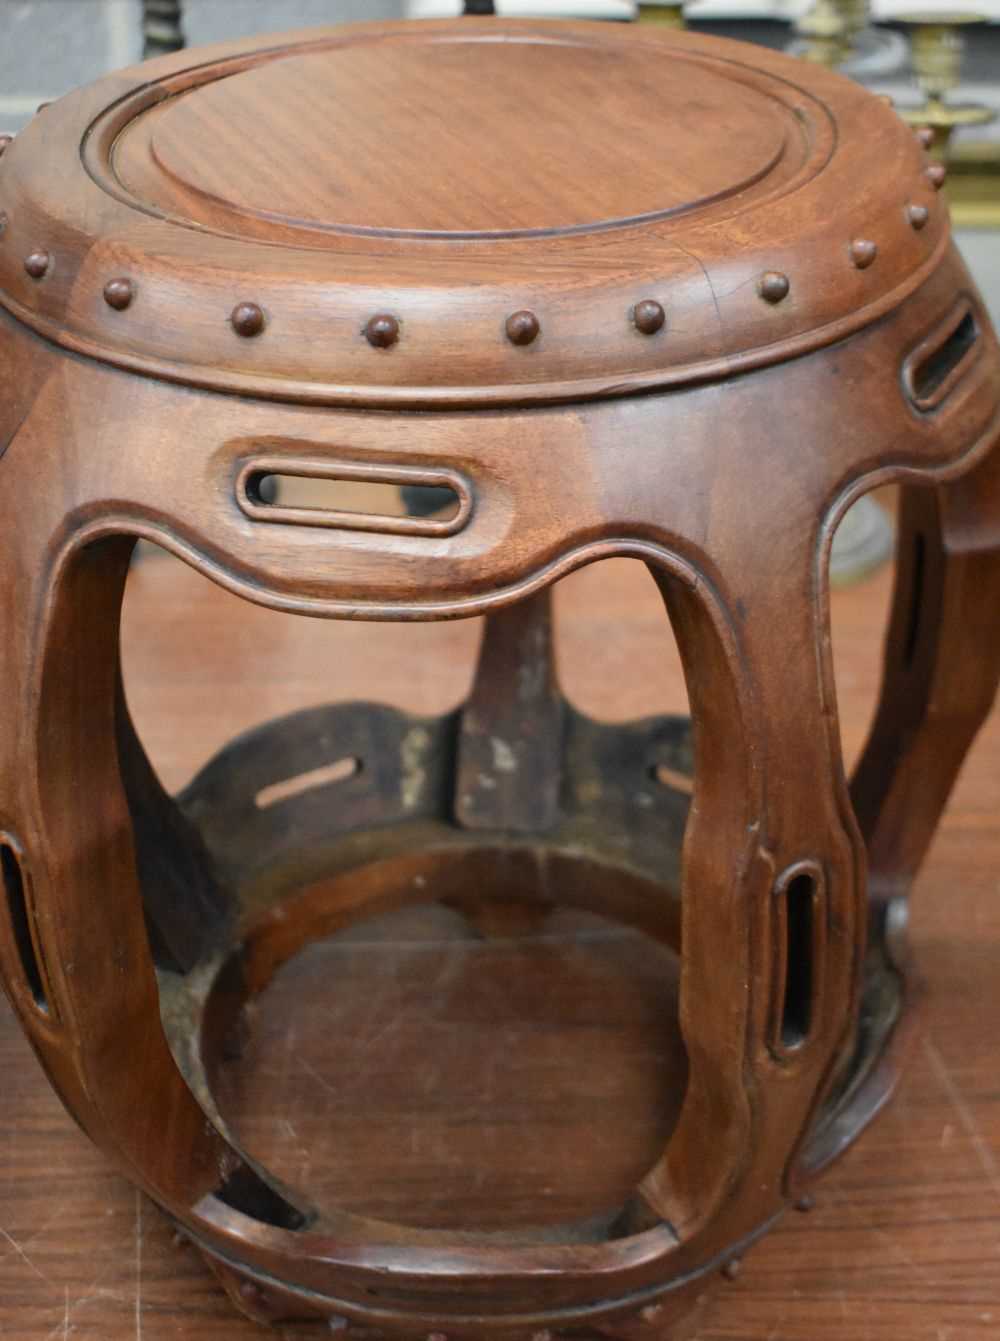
942	667
773	909
77	839
73	940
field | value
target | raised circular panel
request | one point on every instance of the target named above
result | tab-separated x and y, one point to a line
465	138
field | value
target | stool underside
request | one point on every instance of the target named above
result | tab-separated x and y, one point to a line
344	813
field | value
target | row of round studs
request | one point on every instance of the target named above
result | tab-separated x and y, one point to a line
522	328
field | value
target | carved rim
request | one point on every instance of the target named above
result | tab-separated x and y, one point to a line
450	347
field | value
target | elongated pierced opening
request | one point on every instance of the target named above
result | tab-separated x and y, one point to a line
936	366
246	1192
916	598
289	788
675	778
344	496
862	578
355	496
19	912
799	917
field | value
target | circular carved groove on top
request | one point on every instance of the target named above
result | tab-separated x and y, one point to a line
562	143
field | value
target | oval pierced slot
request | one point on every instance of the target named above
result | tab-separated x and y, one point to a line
289	788
245	1191
351	496
21	917
798	943
672	778
939	362
913	623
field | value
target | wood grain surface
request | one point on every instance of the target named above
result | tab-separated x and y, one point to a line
904	1244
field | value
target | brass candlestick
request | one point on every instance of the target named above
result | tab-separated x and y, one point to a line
827	33
937	42
821	35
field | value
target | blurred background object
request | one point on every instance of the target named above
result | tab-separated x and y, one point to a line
162	28
651	11
937	45
622	10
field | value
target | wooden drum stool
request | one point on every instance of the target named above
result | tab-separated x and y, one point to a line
615	292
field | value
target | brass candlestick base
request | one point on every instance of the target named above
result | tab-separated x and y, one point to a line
945	118
669	16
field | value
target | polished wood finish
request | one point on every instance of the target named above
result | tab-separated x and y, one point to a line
582	183
814	346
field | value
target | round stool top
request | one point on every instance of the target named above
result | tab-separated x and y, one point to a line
463	212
